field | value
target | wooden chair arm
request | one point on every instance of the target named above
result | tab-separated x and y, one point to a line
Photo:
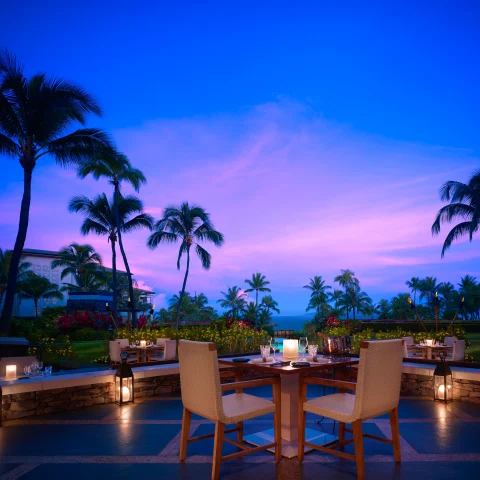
329	383
250	383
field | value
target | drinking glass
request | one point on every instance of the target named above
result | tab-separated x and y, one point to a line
265	352
312	351
27	371
48	371
274	346
303	343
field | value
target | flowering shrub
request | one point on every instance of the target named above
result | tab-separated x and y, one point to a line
49	350
236	338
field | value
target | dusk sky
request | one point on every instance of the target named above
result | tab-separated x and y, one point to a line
317	134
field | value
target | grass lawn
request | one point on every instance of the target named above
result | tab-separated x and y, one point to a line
85	352
474	349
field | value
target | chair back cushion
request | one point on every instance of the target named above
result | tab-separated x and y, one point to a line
161	341
115	349
379	378
200	379
170	351
404	348
458	354
449	341
124	342
409	340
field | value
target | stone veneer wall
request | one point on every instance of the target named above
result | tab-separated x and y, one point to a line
70	398
422	385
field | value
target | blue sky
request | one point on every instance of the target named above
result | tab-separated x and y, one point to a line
384	89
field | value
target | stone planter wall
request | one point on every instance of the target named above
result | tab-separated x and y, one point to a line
62	399
422	385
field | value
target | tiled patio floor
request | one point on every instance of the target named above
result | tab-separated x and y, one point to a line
141	441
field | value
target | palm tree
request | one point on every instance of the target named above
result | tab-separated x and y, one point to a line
384	309
100	218
201	308
428	288
469	290
335	297
35	287
89	282
464	206
317	286
36	115
320	305
233	300
251	313
357	300
184	306
5	259
414	285
117	168
258	283
269	304
83	263
346	279
190	225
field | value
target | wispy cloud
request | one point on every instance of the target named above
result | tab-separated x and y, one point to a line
295	195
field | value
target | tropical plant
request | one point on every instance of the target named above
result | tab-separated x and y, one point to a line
464	207
384	309
35	287
320	305
317	286
346	279
414	284
5	258
251	313
185	309
233	301
117	168
258	283
269	304
191	225
100	219
335	297
83	264
36	115
357	300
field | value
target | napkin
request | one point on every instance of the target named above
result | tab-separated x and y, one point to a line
260	360
309	358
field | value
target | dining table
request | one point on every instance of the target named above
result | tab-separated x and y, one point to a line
289	390
143	351
429	351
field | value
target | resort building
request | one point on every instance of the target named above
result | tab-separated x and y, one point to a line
41	261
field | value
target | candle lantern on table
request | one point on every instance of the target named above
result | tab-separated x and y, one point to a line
290	349
442	381
11	372
124	383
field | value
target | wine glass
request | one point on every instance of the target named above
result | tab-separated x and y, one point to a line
274	346
303	342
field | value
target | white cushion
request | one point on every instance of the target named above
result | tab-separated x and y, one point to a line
338	406
238	407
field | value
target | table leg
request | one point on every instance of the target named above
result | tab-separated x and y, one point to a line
289	385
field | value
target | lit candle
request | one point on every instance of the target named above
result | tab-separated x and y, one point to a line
11	372
429	342
125	394
143	343
290	348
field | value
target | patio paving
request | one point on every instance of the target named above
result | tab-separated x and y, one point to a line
141	440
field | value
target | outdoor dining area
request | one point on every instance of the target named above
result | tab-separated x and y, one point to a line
142	352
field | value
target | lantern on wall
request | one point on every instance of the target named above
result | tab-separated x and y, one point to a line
442	381
124	384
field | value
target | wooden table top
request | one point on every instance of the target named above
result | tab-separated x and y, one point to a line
288	369
442	347
152	347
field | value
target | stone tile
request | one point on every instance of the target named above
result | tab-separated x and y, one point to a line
97	412
86	439
412	408
157	410
442	436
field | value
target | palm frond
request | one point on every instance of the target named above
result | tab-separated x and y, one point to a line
144	220
8	147
158	237
181	251
456	232
204	256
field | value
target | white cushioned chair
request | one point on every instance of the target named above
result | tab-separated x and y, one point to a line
458	354
202	394
377	391
449	341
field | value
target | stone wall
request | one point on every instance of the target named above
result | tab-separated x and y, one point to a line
70	398
422	385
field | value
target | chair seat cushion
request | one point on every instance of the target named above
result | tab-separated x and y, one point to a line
238	407
338	406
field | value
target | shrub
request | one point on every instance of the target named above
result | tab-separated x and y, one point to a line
49	350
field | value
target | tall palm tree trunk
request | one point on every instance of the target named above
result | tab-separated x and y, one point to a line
35	305
124	256
17	250
114	282
183	289
256	298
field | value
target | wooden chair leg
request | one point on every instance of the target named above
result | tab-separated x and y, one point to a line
341	431
240	432
217	449
239	378
358	442
277	422
395	434
187	415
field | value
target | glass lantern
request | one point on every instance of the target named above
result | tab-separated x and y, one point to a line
124	384
442	381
